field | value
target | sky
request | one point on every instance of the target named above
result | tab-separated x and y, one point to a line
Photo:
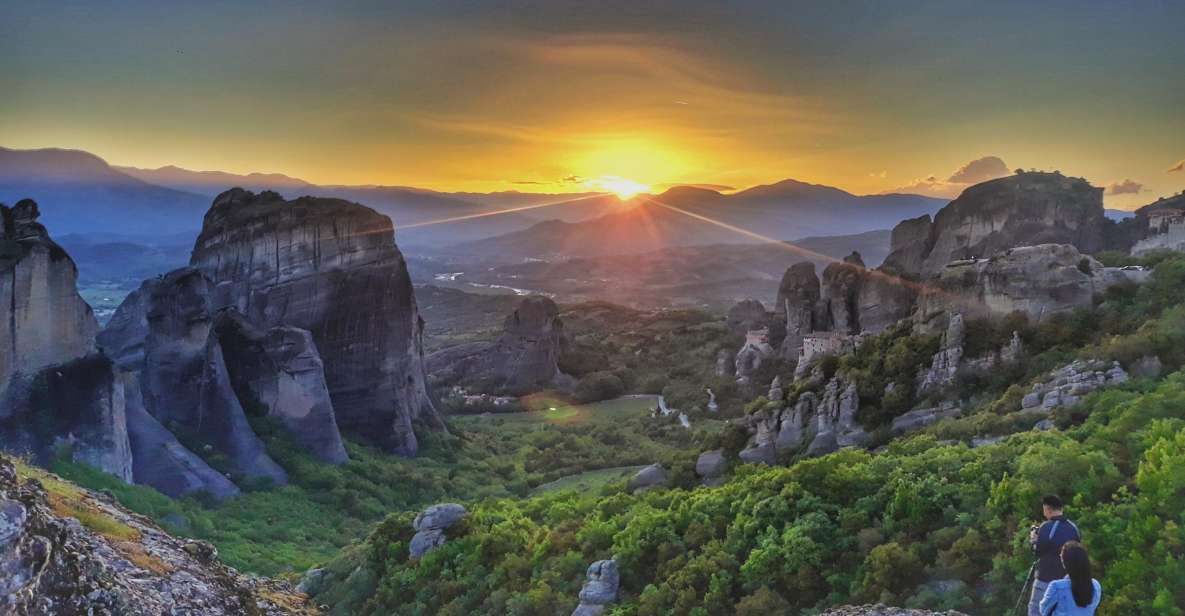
560	96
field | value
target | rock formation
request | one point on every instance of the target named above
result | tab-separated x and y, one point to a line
431	526
56	395
280	370
1037	280
711	466
524	358
76	407
1021	210
331	267
600	588
45	321
747	315
798	299
946	361
653	476
185	383
53	565
842	282
1067	385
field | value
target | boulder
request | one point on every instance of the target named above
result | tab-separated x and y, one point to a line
440	516
653	476
920	418
330	267
431	525
759	454
711	465
602	583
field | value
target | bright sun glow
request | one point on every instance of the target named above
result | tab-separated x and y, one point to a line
622	187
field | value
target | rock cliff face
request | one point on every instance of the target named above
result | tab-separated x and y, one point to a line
1036	280
76	407
185	381
798	305
50	564
331	267
524	358
280	373
1022	210
55	394
43	320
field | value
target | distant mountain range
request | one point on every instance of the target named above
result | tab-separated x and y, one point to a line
80	193
687	216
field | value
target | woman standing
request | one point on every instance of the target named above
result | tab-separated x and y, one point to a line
1077	594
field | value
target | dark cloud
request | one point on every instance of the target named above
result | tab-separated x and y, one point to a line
572	179
979	170
1180	166
1126	187
526	182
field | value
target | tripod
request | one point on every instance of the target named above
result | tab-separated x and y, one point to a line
1028	579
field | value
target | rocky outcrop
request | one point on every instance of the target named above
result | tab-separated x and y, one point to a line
835	420
842	282
431	526
1026	209
524	358
279	371
43	319
185	383
56	395
160	460
747	315
946	361
600	588
1037	280
920	418
74	408
1067	385
711	466
653	476
822	423
798	305
330	267
53	565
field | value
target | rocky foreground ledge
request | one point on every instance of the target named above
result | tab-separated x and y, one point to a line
65	550
882	610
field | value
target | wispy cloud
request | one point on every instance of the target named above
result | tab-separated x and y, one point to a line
1180	166
974	172
1126	187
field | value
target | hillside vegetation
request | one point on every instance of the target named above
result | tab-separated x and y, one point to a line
927	521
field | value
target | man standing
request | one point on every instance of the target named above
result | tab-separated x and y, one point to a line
1047	542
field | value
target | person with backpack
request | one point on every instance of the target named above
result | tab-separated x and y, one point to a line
1047	541
1077	594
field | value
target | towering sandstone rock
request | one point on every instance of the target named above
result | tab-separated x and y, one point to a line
43	320
55	393
1021	210
330	267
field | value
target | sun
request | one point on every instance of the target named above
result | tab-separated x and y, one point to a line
622	187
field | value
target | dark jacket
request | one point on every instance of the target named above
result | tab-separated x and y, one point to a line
1052	535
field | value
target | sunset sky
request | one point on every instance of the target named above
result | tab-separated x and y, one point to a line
557	96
